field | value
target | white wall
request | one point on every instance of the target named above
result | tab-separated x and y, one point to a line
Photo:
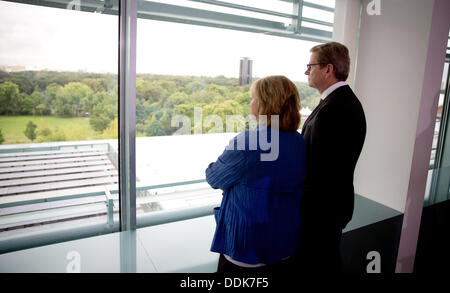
345	30
389	78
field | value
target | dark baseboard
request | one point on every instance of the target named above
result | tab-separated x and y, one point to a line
433	247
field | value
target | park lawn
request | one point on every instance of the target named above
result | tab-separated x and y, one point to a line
13	127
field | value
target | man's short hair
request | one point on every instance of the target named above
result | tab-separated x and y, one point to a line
278	95
336	54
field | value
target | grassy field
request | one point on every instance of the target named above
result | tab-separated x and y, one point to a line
13	128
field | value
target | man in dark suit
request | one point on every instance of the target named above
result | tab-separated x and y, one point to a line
334	134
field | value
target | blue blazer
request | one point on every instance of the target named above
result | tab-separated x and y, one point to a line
259	217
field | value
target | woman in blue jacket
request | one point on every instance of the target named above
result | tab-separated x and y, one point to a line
261	173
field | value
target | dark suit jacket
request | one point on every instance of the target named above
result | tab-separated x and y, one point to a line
334	134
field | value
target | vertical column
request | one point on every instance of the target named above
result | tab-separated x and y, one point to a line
127	113
347	19
297	9
128	242
440	25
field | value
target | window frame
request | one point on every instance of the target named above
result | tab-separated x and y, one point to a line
128	11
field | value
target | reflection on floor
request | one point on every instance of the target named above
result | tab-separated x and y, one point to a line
181	246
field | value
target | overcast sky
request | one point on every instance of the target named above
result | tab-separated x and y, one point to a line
58	39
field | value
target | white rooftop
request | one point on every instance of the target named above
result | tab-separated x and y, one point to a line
69	168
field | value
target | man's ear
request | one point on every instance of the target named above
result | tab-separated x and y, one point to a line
330	68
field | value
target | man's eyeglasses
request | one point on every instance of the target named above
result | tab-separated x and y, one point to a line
308	66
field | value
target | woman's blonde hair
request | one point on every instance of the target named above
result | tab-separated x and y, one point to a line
277	95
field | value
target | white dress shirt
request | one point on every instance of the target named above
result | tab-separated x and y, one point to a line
331	89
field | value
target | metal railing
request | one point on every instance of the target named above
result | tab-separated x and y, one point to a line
290	27
58	147
111	225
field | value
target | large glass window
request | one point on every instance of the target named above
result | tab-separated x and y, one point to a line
192	90
438	181
58	118
59	107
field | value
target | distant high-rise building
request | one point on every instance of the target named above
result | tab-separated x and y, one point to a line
245	71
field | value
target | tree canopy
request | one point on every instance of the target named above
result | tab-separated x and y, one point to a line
158	98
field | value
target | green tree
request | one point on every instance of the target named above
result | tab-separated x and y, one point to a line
30	131
195	86
94	84
309	97
154	128
228	107
244	99
45	131
2	139
9	92
140	129
24	83
166	122
145	109
41	109
72	101
53	92
44	134
176	98
99	97
100	122
37	98
140	111
112	131
58	135
143	89
17	103
213	90
27	105
104	112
